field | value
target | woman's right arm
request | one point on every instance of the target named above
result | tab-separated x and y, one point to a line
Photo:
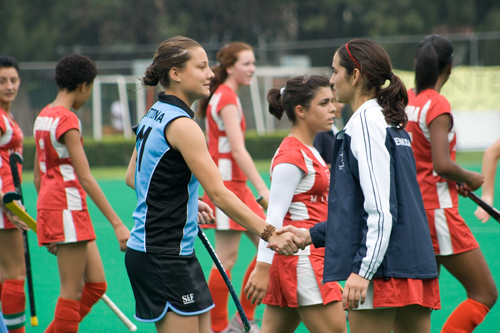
442	163
186	136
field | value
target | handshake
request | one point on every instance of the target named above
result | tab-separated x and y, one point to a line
289	239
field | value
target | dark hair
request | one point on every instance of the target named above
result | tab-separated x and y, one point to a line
73	70
374	63
173	52
226	57
434	53
9	62
299	90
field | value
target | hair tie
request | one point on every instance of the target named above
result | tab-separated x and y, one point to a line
356	63
282	91
390	75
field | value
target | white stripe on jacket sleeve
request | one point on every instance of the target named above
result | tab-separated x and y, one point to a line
368	147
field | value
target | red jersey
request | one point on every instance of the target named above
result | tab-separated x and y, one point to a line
310	200
59	185
309	206
422	109
10	142
218	143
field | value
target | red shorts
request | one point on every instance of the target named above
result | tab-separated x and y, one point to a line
5	222
241	190
64	226
449	233
282	289
397	292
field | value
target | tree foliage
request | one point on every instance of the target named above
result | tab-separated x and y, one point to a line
42	30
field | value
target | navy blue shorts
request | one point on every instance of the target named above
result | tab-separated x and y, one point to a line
164	283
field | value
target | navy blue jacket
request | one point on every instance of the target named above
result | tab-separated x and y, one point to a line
376	224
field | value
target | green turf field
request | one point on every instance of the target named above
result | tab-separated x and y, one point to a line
101	319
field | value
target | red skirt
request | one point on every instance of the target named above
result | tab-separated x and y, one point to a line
449	232
282	289
398	292
64	226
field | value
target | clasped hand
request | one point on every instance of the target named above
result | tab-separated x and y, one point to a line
300	238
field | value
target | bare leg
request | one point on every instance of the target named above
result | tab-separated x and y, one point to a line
173	322
373	321
227	243
71	259
412	319
94	270
472	271
279	320
329	318
12	255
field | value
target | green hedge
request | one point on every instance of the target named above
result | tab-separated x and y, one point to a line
116	150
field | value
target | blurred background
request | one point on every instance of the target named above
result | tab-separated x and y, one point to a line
290	37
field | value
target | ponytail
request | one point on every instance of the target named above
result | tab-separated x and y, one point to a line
434	53
374	64
275	103
393	101
299	90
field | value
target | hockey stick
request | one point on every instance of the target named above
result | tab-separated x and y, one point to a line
492	211
131	327
14	159
25	217
9	200
262	202
211	251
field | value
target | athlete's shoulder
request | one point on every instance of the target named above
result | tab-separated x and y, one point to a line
226	95
426	96
290	146
367	117
225	90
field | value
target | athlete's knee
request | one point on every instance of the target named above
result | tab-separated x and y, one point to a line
488	296
228	259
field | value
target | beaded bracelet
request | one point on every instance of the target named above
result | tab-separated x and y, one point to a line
268	232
